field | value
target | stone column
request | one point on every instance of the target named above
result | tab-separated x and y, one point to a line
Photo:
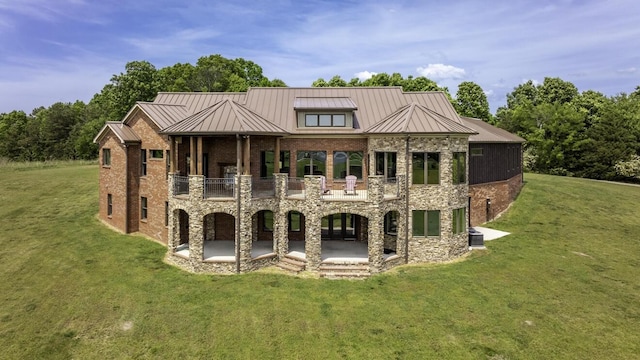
245	231
196	188
196	220
375	194
280	221
375	241
313	222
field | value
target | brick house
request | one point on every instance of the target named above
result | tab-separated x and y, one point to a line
338	181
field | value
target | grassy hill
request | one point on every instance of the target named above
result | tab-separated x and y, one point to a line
564	285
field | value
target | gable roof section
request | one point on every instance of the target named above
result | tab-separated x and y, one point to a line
418	119
122	131
225	117
163	115
488	133
319	103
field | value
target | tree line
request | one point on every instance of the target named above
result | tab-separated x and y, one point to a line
66	130
567	132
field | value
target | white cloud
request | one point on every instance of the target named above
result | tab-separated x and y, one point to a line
488	93
534	81
441	72
364	75
630	70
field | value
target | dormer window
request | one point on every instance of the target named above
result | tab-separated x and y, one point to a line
326	120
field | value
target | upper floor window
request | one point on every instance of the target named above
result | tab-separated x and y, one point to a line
143	162
459	167
347	163
326	120
143	208
156	154
311	163
386	164
267	163
106	157
425	168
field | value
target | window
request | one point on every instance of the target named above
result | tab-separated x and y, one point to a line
426	222
459	220
143	208
391	223
109	205
386	164
295	221
476	151
425	168
325	120
347	163
106	157
156	154
168	165
166	213
311	163
267	220
267	164
143	162
459	167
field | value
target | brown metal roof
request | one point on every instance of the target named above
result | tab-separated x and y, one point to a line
488	133
278	105
226	116
418	119
163	115
313	103
122	131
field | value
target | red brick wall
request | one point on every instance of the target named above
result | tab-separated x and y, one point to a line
501	194
113	181
153	186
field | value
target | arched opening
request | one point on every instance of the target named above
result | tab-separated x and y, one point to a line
390	240
344	237
262	225
219	237
181	232
295	233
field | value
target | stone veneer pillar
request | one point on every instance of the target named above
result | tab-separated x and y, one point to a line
375	234
281	220
171	241
245	232
196	236
313	222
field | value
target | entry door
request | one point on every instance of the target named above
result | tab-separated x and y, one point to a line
339	227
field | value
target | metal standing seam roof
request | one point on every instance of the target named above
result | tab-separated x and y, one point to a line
227	116
163	115
418	119
279	105
311	103
122	131
488	133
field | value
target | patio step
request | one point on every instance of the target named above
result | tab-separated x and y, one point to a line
292	264
344	271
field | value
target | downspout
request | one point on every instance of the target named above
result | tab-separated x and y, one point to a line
237	235
406	202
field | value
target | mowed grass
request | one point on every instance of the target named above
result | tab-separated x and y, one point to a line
564	285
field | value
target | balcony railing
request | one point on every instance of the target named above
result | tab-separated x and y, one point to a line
219	188
180	185
263	188
295	186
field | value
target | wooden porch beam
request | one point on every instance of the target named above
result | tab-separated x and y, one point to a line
276	157
192	156
247	156
199	151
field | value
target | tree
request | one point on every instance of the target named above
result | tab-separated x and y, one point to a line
556	90
138	83
472	101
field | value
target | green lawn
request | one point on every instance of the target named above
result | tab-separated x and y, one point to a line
564	285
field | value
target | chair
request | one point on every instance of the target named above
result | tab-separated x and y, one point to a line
323	185
350	185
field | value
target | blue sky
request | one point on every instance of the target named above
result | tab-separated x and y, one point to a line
67	50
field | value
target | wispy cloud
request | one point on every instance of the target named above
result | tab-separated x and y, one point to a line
441	72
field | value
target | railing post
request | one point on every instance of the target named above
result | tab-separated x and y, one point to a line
196	187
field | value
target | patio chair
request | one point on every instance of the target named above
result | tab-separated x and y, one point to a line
323	185
350	185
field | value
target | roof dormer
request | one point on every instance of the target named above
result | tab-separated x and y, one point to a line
324	112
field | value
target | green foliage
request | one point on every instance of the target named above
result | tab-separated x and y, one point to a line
66	131
553	289
629	168
570	133
472	101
